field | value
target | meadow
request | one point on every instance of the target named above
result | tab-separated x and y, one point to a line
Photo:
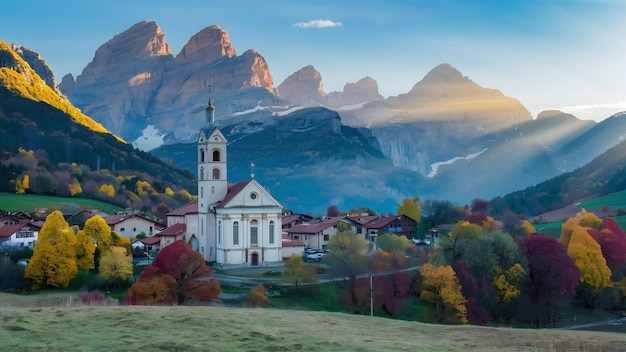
56	323
27	202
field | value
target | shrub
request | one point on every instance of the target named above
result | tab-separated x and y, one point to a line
92	298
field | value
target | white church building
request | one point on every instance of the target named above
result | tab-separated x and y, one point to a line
232	225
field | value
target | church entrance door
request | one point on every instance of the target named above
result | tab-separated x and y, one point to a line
255	258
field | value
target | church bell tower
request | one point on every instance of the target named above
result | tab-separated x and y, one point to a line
212	165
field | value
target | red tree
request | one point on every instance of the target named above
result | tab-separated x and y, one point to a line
552	277
612	240
177	274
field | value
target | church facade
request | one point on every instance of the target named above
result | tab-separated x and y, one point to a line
232	225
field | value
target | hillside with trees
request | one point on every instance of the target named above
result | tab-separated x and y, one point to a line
49	147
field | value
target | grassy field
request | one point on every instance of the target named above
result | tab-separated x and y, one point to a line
614	201
26	202
55	323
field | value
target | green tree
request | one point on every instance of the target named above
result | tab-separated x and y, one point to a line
54	257
115	264
390	242
411	207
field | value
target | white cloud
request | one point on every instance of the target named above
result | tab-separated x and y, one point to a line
597	112
318	24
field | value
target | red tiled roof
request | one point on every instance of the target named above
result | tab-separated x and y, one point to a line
314	227
383	221
174	230
292	243
233	190
9	230
150	240
189	208
363	219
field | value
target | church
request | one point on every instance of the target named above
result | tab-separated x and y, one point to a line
232	225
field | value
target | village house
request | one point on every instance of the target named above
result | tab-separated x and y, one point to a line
131	225
400	225
18	229
317	232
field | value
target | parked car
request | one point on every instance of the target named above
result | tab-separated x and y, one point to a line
313	257
420	242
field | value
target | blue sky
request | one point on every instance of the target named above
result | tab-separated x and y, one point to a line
559	54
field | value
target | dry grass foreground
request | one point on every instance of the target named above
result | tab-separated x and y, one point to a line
48	324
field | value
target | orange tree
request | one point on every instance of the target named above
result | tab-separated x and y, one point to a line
177	274
53	263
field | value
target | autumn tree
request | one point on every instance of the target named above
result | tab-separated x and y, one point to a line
53	263
441	287
411	207
116	265
21	186
595	275
552	279
479	206
582	218
177	274
298	271
347	257
333	211
612	240
257	298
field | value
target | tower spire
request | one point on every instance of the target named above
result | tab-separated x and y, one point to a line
210	112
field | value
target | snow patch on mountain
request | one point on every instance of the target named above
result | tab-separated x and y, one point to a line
351	107
150	138
435	166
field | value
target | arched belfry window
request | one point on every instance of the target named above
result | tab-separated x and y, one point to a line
201	155
216	174
201	173
216	155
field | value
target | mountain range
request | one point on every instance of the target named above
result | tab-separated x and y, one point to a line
447	138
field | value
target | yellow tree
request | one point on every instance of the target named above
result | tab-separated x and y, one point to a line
441	287
297	270
108	190
85	248
412	208
115	264
53	263
587	256
583	218
347	257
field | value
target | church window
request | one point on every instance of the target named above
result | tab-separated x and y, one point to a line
219	231
201	191
253	196
202	173
236	233
212	189
216	174
254	233
272	232
201	155
216	155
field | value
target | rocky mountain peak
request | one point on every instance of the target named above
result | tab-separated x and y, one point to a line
39	65
444	73
303	87
210	44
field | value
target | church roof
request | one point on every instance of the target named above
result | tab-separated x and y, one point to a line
189	208
233	191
